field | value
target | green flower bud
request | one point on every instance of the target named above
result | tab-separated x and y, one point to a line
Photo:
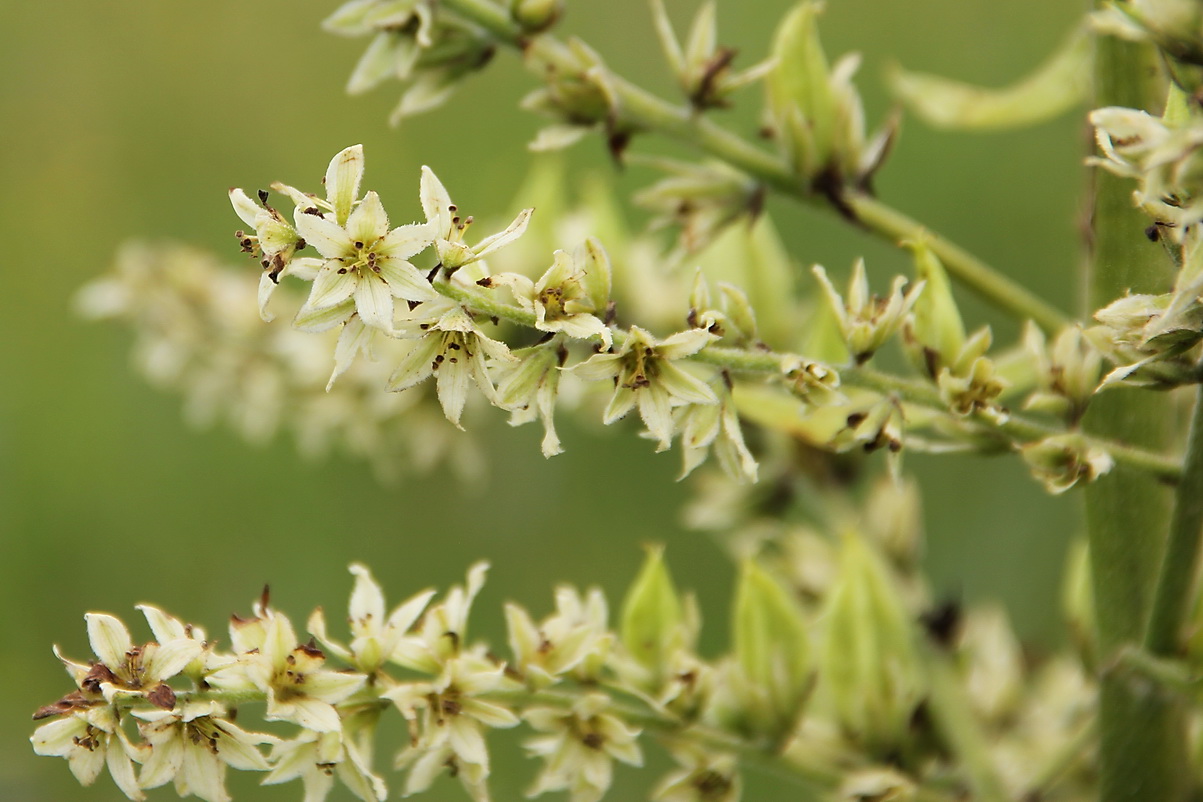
935	334
536	15
772	653
800	95
868	665
653	618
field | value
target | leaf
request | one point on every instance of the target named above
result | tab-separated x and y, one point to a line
1059	84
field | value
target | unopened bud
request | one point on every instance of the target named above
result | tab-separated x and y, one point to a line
536	15
868	665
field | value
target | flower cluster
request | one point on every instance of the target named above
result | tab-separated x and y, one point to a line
826	667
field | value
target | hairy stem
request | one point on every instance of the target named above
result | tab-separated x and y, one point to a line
640	110
1142	734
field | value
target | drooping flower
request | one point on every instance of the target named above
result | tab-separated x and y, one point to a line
529	388
644	375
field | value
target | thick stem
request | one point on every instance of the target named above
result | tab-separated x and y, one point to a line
1179	565
1142	733
639	110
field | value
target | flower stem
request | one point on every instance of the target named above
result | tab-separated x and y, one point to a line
640	110
1015	430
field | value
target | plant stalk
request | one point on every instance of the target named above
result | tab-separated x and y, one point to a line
1141	731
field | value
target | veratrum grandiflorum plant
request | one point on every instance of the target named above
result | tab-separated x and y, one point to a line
842	677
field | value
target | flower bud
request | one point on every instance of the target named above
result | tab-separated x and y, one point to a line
536	15
867	321
935	334
653	619
868	666
800	95
772	653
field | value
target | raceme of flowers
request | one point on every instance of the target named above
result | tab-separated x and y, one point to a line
826	681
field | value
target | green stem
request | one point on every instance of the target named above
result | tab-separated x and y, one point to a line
638	109
1180	562
1141	731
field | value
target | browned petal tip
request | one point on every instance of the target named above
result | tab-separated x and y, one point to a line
72	701
162	696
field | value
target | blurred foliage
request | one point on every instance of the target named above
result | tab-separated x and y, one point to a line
132	119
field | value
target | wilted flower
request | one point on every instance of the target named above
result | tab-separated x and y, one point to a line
644	375
1061	461
580	747
702	67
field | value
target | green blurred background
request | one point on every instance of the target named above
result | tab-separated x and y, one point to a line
131	119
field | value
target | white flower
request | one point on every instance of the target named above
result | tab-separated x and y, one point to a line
193	746
644	375
706	426
867	321
704	776
272	661
580	748
444	629
449	227
90	740
573	641
449	716
450	347
376	635
365	264
316	758
128	670
569	295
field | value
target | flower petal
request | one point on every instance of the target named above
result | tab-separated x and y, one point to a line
515	230
373	301
416	366
331	240
334	285
342	181
452	379
405	241
244	207
369	221
313	320
436	203
109	638
405	281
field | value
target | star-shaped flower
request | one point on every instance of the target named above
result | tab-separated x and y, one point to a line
644	375
580	747
453	349
193	746
90	740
